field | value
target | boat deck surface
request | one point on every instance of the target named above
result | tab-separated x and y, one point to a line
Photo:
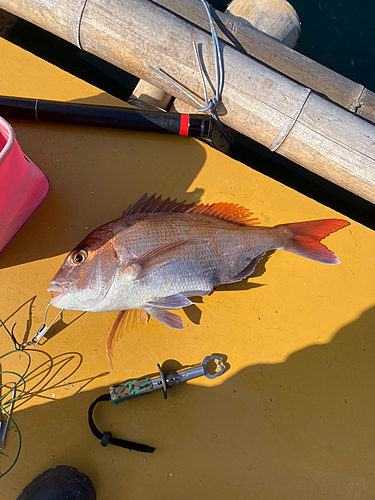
293	417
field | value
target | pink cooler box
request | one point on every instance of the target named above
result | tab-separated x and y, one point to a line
23	187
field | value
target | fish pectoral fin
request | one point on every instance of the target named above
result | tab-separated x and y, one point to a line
166	317
175	301
148	262
125	322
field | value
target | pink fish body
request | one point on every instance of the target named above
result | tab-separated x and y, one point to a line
162	252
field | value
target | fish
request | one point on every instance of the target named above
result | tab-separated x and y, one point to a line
160	253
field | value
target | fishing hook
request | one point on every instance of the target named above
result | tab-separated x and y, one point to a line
40	333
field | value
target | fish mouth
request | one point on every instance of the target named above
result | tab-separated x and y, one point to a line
59	290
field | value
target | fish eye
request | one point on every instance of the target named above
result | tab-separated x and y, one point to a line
79	257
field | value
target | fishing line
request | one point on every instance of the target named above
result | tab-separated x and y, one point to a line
6	408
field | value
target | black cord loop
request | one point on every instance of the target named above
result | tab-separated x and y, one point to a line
107	438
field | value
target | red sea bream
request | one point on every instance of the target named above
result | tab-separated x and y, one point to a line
160	253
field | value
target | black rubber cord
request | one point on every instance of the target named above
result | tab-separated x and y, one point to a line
107	438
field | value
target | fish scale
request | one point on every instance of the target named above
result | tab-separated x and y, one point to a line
197	267
192	268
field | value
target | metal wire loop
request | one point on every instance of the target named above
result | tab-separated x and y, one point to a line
211	103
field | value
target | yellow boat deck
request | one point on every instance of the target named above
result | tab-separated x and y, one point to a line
293	417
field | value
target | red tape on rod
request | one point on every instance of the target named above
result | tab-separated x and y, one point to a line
184	124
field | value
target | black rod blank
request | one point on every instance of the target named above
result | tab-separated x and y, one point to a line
199	126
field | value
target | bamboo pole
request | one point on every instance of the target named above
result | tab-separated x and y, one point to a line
257	101
60	18
276	18
147	96
348	94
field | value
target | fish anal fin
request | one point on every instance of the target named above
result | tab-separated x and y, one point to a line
148	262
227	211
167	318
125	322
213	290
249	269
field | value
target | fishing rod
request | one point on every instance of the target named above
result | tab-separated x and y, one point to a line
192	125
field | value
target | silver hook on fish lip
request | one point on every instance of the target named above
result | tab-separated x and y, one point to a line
42	330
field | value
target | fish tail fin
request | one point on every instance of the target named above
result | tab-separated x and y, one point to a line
303	238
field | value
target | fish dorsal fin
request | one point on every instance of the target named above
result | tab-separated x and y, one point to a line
227	211
150	205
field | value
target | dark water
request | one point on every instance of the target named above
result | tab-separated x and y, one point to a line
340	34
337	33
